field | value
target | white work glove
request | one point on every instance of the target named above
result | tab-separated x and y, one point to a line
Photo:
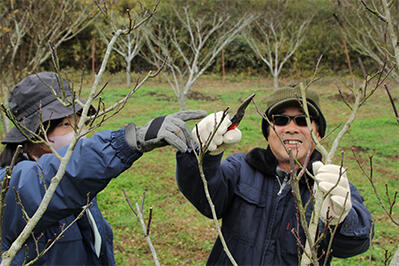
222	138
327	177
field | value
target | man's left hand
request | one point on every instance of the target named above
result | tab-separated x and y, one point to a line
338	202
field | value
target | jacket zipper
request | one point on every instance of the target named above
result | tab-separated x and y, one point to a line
282	186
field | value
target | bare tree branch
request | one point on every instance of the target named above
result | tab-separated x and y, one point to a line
190	46
146	228
275	39
200	153
8	255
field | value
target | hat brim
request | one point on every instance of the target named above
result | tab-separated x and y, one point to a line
293	102
52	111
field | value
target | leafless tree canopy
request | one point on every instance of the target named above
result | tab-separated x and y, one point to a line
190	47
371	28
128	45
27	31
274	39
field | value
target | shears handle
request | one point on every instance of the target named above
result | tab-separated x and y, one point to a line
232	126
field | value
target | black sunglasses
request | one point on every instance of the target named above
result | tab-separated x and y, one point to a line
282	120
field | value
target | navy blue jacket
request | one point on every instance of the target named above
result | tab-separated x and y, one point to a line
95	161
257	223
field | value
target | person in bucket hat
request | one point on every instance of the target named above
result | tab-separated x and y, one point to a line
94	162
252	192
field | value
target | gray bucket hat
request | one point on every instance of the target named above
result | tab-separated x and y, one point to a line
32	101
291	96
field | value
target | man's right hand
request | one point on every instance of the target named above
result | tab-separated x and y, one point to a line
222	138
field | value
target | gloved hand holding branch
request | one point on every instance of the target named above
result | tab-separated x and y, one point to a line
337	203
222	137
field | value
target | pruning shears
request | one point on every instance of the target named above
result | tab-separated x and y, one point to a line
237	117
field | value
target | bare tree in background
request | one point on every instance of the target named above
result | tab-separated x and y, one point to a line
274	39
27	28
128	45
191	47
371	28
92	122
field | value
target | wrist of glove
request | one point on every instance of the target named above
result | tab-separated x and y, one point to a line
222	139
337	203
162	131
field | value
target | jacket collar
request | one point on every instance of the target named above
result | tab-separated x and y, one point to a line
264	161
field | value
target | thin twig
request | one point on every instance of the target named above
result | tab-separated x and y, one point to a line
146	228
395	111
369	176
147	236
60	235
202	150
149	222
128	202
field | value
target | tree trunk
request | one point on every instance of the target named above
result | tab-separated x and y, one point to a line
159	55
223	67
5	123
93	56
182	101
4	120
128	73
275	81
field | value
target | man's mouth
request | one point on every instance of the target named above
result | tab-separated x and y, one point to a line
292	142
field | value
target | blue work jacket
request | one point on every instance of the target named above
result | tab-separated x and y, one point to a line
94	162
257	221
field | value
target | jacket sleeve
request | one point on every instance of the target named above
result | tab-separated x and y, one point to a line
353	234
94	162
221	179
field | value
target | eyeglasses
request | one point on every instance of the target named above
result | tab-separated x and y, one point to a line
283	120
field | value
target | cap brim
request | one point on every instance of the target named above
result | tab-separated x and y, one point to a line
294	102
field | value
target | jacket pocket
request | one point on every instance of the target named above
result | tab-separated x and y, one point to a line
251	194
245	217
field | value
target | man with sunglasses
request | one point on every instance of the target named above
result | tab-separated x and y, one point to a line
252	193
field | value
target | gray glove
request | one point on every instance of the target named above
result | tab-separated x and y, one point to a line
162	131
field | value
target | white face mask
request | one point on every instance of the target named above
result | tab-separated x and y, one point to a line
61	141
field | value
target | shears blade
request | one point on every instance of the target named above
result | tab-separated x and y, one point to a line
237	117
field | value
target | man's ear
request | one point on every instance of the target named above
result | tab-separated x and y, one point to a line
318	135
317	130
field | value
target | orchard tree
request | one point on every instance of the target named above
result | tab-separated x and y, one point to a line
128	45
30	30
371	28
189	42
275	36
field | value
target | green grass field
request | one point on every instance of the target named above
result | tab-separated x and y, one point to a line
180	234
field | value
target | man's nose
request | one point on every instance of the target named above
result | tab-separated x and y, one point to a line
291	127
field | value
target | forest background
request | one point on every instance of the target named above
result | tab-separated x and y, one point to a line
179	233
